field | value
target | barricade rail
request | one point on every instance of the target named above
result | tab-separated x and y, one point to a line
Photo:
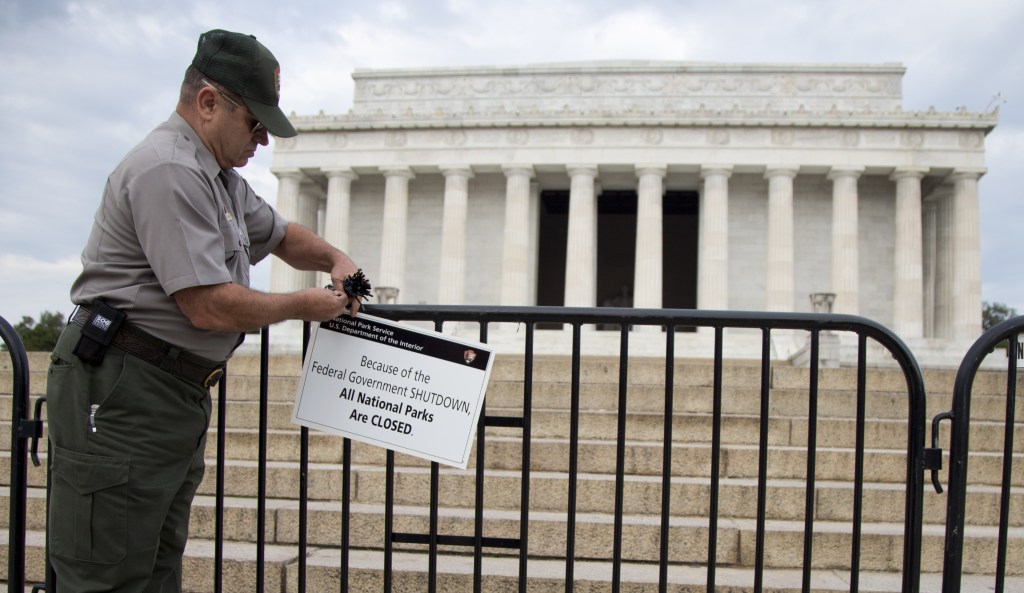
23	429
918	458
959	415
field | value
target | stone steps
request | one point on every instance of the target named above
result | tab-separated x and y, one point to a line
507	398
787	396
642	458
548	575
281	573
198	564
599	457
643	425
595	493
284	370
881	542
692	372
836	418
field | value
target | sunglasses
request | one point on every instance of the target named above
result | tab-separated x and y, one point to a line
255	125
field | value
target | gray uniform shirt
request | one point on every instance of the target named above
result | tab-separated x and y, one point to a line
170	219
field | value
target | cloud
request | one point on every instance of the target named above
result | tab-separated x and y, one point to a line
636	34
87	79
37	286
394	11
1001	226
1005	143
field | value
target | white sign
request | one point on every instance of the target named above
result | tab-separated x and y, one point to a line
395	386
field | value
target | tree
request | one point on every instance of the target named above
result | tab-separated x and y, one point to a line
993	313
40	336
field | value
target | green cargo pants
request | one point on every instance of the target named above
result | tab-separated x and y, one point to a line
127	443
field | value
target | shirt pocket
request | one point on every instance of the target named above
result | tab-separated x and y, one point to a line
236	250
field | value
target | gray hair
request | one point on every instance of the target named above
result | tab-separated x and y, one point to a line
195	81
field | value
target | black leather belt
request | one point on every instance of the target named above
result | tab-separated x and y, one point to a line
155	351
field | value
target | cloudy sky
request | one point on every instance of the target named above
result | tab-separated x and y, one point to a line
85	80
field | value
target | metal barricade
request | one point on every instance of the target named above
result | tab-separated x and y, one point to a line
579	322
670	321
1008	332
24	428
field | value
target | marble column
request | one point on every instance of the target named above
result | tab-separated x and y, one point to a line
943	288
929	251
452	276
337	213
845	247
321	219
339	202
581	247
284	278
648	266
908	254
713	248
779	268
534	238
966	260
308	216
515	262
394	230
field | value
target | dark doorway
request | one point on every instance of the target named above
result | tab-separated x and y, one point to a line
551	247
616	248
680	228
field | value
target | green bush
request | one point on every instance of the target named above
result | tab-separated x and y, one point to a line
994	313
42	336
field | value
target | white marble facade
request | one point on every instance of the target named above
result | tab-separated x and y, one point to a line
459	185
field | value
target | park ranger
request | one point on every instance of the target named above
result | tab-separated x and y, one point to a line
162	301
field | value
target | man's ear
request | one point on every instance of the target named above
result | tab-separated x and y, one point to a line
206	102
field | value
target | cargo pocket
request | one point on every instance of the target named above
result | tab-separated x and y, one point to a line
88	507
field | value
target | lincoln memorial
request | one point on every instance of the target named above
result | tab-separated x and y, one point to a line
650	184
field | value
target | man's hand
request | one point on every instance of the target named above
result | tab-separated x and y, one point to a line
323	305
304	250
356	287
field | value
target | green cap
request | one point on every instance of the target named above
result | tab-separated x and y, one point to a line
245	67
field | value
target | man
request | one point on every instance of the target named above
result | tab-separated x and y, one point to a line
163	301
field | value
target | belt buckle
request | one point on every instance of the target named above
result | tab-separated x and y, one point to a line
213	377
